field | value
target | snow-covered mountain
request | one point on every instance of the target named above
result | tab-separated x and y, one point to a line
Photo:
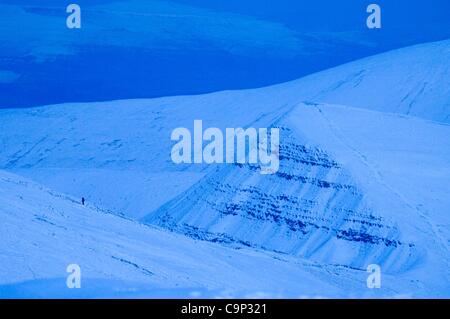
343	195
355	186
43	231
115	152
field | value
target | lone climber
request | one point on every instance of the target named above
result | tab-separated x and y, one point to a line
82	201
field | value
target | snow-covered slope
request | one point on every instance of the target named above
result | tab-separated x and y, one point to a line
114	153
117	154
347	192
413	81
355	187
42	232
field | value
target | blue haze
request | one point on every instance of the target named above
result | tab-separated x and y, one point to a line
106	64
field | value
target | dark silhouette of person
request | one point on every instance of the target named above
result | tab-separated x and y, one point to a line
82	201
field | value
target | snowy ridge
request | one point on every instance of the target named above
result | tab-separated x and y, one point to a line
334	202
412	81
311	207
82	149
355	186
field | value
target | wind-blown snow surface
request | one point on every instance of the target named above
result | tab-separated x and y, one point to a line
355	187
